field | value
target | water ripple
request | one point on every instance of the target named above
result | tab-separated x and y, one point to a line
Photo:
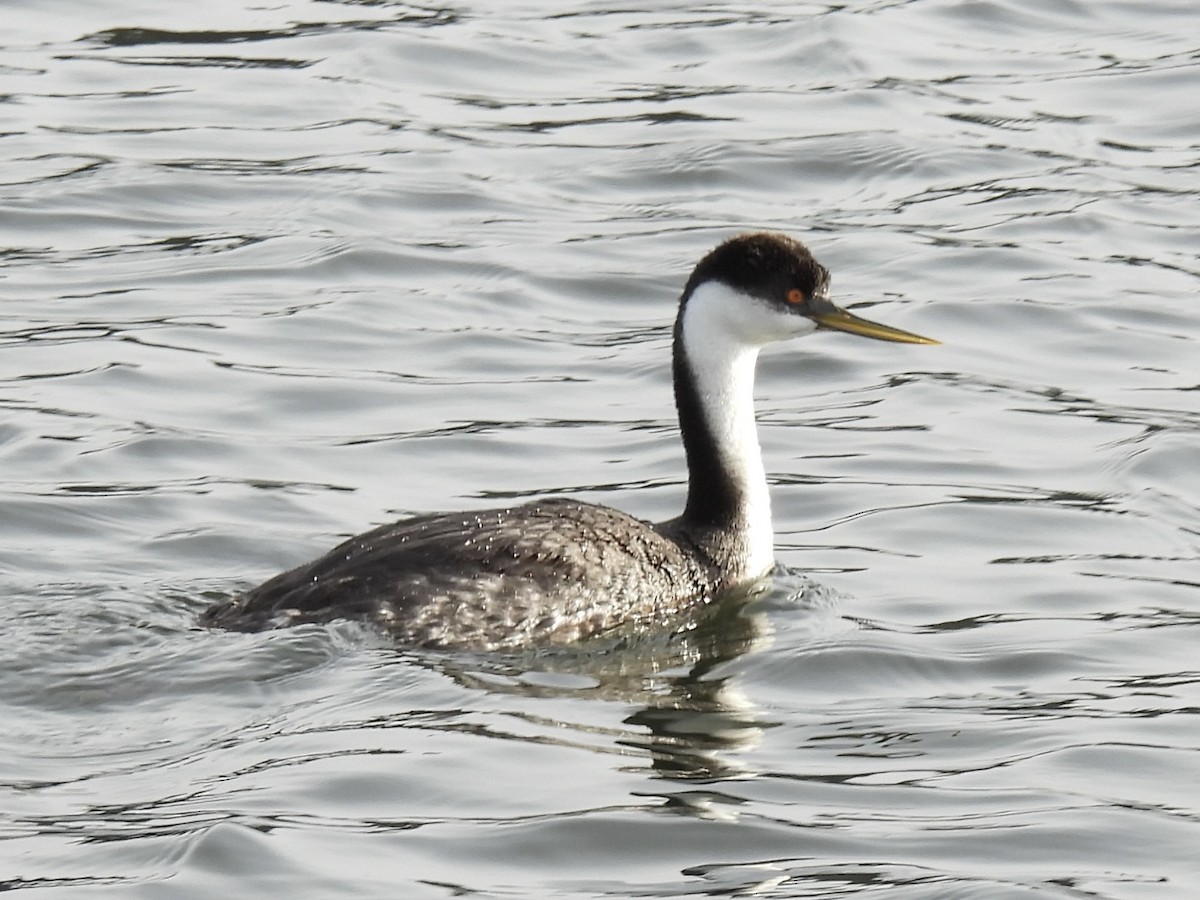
273	273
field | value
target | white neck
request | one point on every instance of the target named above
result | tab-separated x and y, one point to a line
722	335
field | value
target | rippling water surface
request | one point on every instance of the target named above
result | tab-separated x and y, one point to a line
272	273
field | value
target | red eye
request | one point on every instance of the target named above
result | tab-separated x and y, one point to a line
795	296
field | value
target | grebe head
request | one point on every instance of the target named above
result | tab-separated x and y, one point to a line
748	292
787	288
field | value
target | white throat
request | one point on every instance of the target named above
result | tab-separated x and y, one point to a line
722	334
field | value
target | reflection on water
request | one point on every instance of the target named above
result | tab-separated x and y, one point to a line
689	720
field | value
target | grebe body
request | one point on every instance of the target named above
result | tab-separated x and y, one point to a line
562	570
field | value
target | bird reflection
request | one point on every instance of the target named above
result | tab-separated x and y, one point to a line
691	719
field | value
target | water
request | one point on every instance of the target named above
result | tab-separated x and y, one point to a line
271	274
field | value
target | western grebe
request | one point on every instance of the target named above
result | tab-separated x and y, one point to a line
561	570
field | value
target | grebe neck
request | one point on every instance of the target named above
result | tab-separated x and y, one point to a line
714	361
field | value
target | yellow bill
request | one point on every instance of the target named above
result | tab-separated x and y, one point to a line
840	320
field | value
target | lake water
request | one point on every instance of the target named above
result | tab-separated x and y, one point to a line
270	274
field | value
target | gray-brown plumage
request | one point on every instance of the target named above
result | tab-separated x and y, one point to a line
495	578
